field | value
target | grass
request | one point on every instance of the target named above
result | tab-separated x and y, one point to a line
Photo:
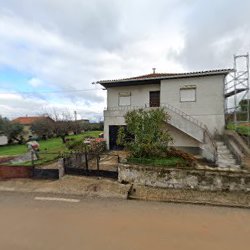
162	162
49	149
241	129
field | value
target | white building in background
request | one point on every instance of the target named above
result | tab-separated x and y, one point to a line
195	102
3	140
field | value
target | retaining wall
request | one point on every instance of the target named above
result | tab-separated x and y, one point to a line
178	178
8	172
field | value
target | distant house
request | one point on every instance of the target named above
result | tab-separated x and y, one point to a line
27	122
3	140
83	121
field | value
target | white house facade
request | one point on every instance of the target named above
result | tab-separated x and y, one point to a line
195	101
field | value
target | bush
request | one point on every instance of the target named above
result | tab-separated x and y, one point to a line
91	145
190	159
76	144
97	145
146	134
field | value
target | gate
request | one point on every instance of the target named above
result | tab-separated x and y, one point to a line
89	164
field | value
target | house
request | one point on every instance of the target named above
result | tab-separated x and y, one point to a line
83	121
27	122
3	140
194	100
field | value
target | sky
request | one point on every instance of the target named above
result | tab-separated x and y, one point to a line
51	51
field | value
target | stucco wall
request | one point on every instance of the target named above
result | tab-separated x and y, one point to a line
208	107
180	139
139	94
209	104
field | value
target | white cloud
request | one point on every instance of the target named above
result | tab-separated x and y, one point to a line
35	82
66	45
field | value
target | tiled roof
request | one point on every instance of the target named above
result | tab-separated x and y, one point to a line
161	76
29	120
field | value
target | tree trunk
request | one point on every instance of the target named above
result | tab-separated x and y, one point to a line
63	139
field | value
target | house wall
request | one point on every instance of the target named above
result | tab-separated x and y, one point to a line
209	105
139	97
183	141
139	94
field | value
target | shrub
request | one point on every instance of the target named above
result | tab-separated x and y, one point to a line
91	145
190	159
146	134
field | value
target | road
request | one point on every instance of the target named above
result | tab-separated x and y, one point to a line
33	221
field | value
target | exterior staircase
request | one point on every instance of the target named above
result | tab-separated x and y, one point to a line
185	123
225	159
194	128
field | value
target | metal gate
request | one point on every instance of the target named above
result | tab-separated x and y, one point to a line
89	164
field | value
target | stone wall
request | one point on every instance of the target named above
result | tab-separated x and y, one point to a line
179	178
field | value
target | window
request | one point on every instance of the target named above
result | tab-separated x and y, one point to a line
188	94
154	99
124	98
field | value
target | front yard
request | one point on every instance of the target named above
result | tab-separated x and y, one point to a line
49	149
170	161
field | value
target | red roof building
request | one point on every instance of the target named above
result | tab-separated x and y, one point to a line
28	120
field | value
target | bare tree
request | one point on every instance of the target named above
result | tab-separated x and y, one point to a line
63	124
44	127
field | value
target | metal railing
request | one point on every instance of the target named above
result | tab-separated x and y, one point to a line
163	105
184	115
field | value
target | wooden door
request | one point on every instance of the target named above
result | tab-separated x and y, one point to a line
154	98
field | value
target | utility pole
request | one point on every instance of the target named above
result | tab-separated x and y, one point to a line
75	114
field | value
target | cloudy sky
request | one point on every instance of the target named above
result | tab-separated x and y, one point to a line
52	50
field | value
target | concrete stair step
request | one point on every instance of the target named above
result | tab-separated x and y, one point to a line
226	161
224	157
220	143
230	167
225	151
221	146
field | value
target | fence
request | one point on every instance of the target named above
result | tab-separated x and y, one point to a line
91	164
47	165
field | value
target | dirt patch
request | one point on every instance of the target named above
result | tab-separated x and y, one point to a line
6	159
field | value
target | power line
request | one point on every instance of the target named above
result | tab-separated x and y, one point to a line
48	91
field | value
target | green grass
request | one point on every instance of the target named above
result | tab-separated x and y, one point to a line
162	162
49	149
241	129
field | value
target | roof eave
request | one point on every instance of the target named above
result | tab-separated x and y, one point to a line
155	80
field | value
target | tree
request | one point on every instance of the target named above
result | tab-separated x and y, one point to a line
63	125
93	126
146	134
44	128
12	130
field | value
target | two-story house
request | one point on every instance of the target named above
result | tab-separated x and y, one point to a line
195	102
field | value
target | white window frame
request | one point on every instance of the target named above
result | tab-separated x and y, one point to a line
191	99
124	99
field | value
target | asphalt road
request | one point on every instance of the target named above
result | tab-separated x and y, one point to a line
33	221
